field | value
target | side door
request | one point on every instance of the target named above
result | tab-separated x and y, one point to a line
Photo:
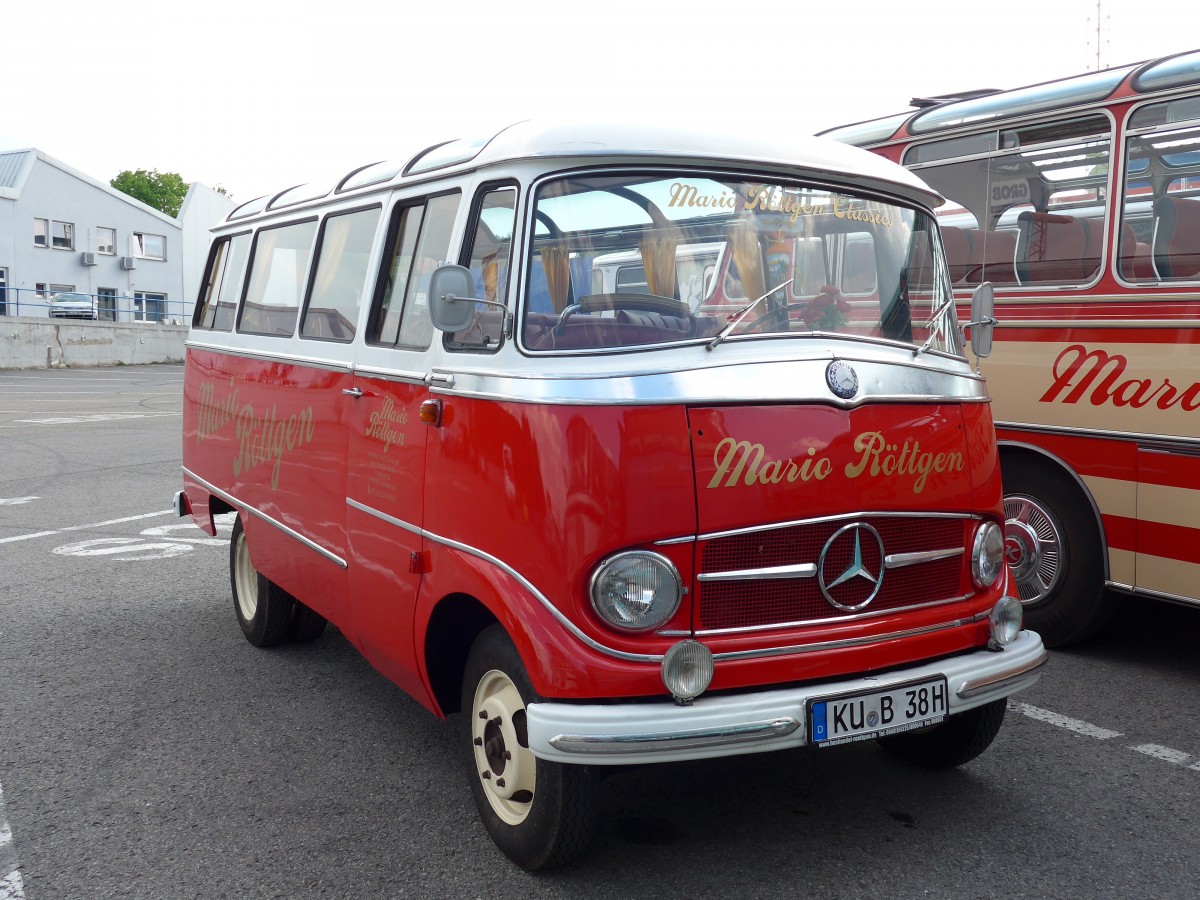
384	498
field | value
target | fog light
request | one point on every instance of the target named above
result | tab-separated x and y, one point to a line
1005	621
687	670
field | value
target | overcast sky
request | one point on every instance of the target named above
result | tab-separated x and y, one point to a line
258	95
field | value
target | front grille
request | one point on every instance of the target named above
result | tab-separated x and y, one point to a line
755	602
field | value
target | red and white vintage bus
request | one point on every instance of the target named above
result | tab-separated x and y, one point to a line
1079	200
613	521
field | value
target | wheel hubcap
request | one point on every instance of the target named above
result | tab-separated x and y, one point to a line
1033	547
506	767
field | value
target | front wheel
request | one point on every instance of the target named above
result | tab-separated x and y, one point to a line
957	740
539	813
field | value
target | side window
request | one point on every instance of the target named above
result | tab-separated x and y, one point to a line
277	274
419	241
345	246
1159	237
1032	212
490	262
223	284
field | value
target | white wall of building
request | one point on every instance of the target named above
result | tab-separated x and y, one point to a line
202	209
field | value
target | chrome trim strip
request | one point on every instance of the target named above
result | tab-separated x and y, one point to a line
684	740
388	374
970	689
900	560
524	582
696	380
800	570
242	505
848	642
1155	595
841	517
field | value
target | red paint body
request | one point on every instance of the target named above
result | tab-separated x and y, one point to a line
541	493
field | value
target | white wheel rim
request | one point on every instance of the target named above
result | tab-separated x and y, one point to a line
505	766
247	580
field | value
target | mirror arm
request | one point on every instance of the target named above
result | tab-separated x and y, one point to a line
508	316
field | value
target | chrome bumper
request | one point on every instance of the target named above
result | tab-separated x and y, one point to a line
619	734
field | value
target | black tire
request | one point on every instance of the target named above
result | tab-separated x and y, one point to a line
540	814
1054	548
264	611
306	625
957	740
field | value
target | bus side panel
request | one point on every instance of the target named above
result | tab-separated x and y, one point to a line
271	436
549	491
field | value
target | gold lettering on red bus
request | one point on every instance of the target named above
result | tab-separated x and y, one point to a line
267	438
383	425
1099	375
742	462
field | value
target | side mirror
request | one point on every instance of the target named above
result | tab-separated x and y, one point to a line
983	304
451	304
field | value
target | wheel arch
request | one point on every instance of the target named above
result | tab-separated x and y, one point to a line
1013	451
454	624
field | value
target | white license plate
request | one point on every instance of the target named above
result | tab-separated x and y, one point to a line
857	717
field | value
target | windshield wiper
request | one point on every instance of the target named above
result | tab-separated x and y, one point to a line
939	313
743	312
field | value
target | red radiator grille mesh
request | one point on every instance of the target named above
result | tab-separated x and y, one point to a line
748	603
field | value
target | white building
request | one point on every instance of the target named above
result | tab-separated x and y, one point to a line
62	230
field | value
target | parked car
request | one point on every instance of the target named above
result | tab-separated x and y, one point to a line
71	305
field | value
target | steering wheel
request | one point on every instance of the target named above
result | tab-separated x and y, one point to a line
665	306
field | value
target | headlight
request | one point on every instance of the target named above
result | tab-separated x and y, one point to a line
987	555
636	591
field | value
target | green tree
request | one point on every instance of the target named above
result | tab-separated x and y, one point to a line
162	190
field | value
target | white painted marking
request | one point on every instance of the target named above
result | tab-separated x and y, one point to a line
38	534
11	886
168	532
1075	725
120	548
17	501
1166	754
96	417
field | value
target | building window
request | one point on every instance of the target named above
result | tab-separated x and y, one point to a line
150	246
149	307
106	303
106	241
62	235
41	232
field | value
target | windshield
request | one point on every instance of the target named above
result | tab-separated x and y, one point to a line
633	260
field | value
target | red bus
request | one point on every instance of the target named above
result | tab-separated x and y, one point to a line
710	504
1079	200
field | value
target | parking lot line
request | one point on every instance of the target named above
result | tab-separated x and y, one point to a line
38	534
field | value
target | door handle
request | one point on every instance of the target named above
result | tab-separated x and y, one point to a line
352	392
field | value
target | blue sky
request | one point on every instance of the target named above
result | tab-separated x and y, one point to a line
258	95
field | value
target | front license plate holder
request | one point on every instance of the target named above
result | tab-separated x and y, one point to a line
863	715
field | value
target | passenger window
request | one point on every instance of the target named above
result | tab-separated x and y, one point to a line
420	242
345	246
218	304
490	263
277	276
1159	239
1033	212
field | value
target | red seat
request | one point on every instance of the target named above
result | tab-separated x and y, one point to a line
958	251
1135	261
1053	247
1176	237
992	254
